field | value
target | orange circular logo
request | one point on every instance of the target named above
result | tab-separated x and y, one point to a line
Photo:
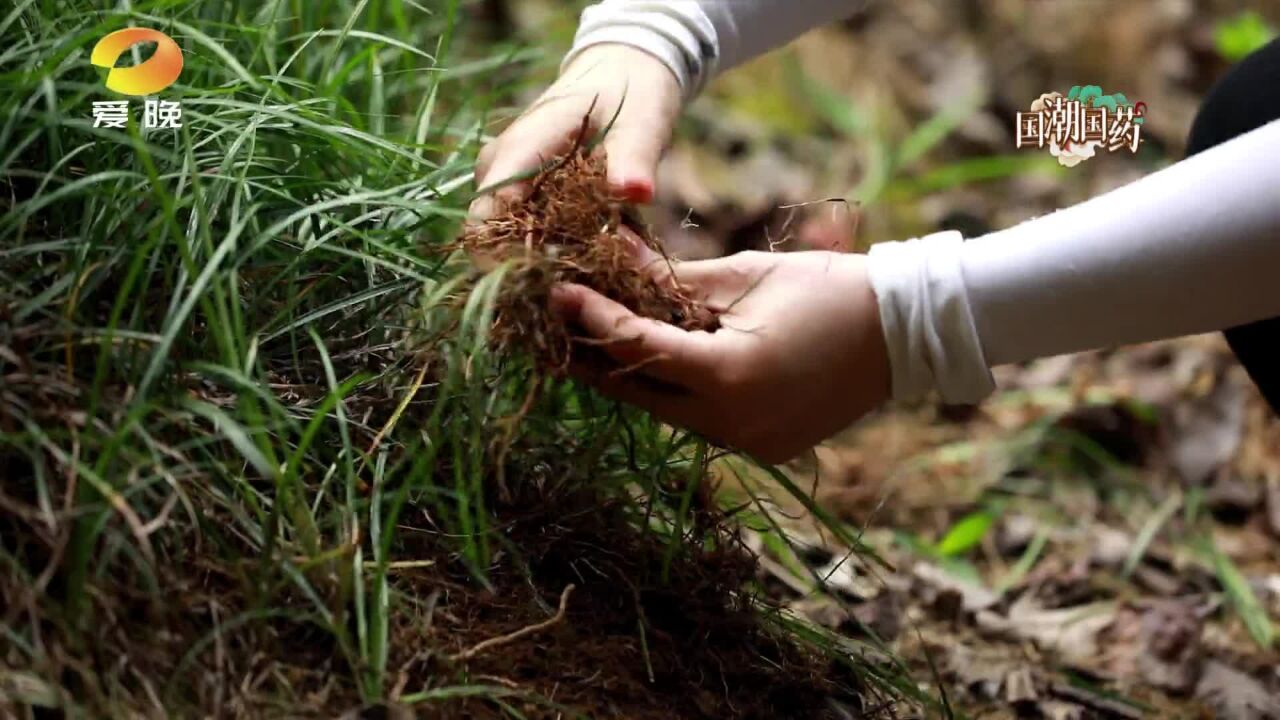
146	78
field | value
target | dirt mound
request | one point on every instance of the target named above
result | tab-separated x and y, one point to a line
645	632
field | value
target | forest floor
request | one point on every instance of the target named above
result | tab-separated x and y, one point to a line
1051	558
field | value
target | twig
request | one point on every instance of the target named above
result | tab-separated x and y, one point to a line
1106	706
518	634
818	202
395	416
500	680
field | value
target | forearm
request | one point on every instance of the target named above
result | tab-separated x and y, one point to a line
698	38
1192	248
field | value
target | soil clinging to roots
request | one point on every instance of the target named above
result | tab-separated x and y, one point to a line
568	229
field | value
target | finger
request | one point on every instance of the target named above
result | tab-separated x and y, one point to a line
643	256
637	344
633	147
484	160
485	207
650	261
660	267
548	131
498	196
521	150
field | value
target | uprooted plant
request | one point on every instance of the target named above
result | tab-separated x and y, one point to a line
566	228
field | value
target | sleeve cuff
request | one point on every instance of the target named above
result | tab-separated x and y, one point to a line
679	35
929	328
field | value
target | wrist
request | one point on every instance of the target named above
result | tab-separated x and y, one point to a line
624	64
869	351
677	35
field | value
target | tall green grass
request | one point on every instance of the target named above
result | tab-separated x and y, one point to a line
230	361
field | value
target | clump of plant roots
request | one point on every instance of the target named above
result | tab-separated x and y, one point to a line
568	229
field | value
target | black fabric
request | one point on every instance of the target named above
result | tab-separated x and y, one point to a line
1248	97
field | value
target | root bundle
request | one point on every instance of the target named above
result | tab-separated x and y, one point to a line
568	229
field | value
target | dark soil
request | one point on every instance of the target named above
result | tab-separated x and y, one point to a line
630	645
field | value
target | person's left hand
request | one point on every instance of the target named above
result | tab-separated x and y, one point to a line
799	354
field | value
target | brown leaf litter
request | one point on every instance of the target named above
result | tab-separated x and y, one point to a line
568	229
1104	620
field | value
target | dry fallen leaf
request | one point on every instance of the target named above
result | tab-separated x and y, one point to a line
1233	695
1058	710
1207	430
1072	633
934	580
1169	645
1232	499
980	669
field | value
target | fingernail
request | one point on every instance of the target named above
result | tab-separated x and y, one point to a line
482	208
636	190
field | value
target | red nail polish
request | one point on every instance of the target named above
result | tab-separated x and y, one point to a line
637	191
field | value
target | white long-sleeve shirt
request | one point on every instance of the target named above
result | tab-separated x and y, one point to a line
1192	248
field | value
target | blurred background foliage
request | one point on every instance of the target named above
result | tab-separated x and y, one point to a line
1111	516
908	107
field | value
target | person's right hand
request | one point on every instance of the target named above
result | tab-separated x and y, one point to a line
611	76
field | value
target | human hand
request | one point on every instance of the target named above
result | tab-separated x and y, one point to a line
605	80
799	355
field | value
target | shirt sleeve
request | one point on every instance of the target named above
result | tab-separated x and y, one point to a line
1192	248
698	38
